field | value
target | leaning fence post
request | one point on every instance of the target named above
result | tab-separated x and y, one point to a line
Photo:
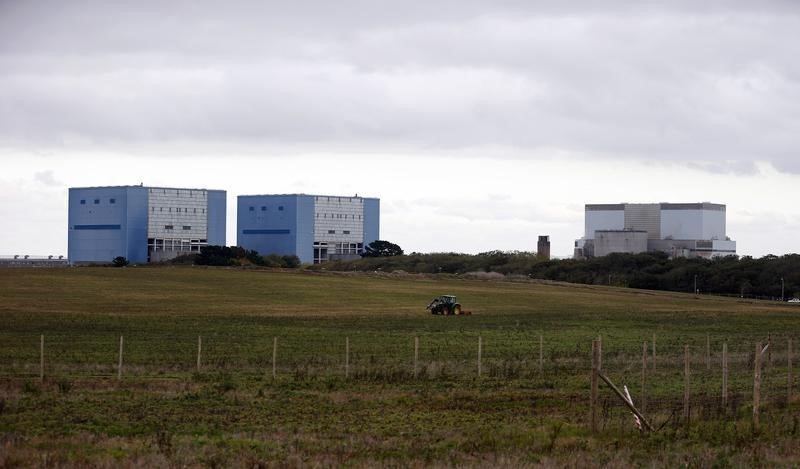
756	386
593	397
769	349
725	377
686	384
480	347
274	358
119	366
41	358
199	350
599	353
644	370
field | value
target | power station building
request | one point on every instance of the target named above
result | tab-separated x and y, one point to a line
315	228
142	224
680	230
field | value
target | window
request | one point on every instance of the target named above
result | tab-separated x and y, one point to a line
346	232
280	208
187	227
195	211
168	227
170	210
83	202
252	209
97	201
331	231
112	201
160	209
263	208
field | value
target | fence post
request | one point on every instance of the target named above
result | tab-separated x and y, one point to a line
725	377
41	358
541	354
199	350
708	352
686	384
644	371
756	386
654	353
593	397
347	357
769	349
119	366
416	355
274	358
789	367
599	353
480	347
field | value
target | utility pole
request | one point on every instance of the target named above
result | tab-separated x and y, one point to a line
782	285
695	284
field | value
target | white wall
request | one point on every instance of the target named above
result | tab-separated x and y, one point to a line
693	224
603	220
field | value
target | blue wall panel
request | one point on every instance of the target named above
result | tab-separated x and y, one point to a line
217	213
305	229
93	207
136	233
267	224
372	220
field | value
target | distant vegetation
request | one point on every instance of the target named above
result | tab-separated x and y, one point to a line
739	276
230	256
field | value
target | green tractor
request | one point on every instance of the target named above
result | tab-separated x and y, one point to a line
446	305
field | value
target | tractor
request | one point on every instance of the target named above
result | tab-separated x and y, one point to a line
446	305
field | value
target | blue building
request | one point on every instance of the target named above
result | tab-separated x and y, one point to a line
316	228
142	224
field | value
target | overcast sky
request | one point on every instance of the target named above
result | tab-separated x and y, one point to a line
480	125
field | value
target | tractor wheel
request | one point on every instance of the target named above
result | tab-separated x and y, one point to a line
457	310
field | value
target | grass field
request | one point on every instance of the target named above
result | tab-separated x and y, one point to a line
164	412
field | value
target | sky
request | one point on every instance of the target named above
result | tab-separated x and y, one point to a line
480	125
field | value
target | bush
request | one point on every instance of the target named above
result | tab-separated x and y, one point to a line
120	261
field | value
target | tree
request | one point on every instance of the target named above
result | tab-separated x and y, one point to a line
382	249
120	261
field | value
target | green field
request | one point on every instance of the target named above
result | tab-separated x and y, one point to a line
371	406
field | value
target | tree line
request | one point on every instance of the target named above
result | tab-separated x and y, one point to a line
740	276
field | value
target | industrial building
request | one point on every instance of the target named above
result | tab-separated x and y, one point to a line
543	247
142	224
680	230
315	228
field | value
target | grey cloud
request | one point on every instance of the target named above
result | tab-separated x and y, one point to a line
46	178
715	86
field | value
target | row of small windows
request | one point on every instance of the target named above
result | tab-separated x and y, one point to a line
334	232
177	210
264	208
339	216
172	227
97	201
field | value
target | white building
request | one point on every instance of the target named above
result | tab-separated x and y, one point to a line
681	230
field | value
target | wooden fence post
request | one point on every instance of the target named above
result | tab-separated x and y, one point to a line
41	358
593	397
480	347
274	358
789	370
119	366
347	357
708	352
756	386
725	377
644	371
686	384
541	354
599	353
416	355
199	351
